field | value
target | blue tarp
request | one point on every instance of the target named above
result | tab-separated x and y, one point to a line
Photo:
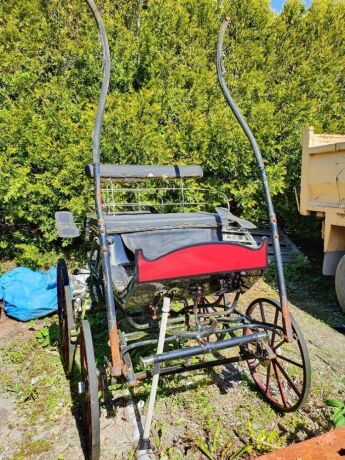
27	294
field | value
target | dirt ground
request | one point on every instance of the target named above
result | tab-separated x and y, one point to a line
219	411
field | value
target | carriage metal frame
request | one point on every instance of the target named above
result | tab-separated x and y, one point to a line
220	268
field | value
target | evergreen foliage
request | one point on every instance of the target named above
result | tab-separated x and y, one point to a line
164	106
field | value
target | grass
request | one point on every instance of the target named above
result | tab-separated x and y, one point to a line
33	375
204	414
40	388
31	449
310	290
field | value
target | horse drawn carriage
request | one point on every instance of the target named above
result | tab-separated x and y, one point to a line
170	273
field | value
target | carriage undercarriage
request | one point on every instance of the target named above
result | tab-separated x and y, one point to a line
182	325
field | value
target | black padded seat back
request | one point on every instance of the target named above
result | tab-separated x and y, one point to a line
140	172
127	223
158	242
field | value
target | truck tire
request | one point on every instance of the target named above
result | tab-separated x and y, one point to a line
340	283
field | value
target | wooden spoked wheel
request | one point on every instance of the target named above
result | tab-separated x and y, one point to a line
284	377
90	391
66	317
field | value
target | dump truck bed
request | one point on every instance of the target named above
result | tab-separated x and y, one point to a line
323	174
323	194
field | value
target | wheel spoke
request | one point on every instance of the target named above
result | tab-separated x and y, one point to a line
255	366
291	361
275	323
262	311
280	385
268	378
293	386
279	345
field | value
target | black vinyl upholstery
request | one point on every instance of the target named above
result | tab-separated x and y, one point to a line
127	223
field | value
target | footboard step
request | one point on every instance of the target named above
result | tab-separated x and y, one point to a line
65	225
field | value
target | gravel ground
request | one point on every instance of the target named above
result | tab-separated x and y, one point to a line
219	410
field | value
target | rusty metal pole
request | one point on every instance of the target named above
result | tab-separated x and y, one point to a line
260	163
103	236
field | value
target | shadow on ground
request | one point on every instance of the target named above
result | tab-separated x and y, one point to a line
73	379
310	291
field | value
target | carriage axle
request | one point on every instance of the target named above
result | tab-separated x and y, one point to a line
206	347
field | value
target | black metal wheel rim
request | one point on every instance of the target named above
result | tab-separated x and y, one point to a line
66	316
284	380
90	392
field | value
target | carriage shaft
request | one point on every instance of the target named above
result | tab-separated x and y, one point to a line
202	349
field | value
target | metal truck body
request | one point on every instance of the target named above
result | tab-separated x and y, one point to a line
323	194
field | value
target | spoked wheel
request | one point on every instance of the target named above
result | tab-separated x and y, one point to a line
284	377
66	316
90	391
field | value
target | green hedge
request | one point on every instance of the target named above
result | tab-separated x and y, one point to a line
286	72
